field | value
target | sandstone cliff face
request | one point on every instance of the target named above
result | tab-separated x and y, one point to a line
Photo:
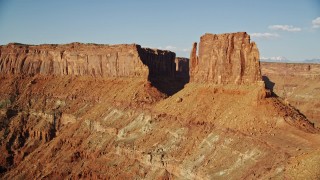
85	59
225	59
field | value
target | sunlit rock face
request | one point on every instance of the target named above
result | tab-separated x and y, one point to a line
125	60
225	59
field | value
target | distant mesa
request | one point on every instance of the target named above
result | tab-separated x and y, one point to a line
274	59
281	59
312	61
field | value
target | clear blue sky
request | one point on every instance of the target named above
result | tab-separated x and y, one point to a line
171	24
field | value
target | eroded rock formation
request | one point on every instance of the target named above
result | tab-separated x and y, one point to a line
67	124
86	59
225	59
193	60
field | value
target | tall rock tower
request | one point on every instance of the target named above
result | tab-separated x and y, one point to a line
225	59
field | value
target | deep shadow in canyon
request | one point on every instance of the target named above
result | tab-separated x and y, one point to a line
170	85
269	85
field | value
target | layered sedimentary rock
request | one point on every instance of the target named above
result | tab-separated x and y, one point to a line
225	59
86	59
75	127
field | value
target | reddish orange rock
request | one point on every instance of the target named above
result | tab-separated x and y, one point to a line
225	59
193	60
86	59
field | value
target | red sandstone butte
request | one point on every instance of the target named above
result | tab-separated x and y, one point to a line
225	59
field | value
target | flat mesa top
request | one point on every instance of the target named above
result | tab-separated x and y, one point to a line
228	34
76	46
243	36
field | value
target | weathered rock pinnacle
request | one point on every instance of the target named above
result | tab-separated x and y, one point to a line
193	60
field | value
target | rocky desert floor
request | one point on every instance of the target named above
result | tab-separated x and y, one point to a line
125	128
